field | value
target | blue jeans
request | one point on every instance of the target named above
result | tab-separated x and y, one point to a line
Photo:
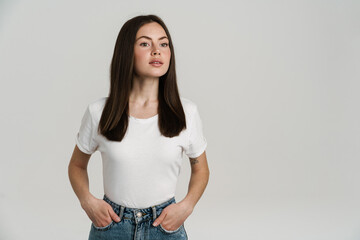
136	224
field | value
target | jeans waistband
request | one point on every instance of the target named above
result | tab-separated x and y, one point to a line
138	213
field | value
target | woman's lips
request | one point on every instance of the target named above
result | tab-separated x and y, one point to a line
156	64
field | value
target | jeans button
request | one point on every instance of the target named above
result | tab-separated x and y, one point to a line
139	214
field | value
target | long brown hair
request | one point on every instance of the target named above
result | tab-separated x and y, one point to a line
115	116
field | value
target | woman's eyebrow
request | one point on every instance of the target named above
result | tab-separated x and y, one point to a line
149	38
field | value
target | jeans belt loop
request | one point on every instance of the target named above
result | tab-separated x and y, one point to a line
121	212
154	212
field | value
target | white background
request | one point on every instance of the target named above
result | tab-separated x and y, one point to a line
277	86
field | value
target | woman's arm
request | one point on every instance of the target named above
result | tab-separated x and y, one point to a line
78	175
99	211
177	213
198	181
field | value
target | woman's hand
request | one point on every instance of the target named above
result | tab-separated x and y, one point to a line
100	212
173	216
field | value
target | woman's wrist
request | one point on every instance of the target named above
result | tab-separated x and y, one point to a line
86	199
188	205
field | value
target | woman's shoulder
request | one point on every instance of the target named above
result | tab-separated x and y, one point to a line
98	104
96	107
190	108
188	104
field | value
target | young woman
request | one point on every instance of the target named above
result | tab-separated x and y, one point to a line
142	130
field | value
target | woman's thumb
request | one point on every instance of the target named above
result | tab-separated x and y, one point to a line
114	216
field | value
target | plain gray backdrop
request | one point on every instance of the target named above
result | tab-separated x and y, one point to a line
277	86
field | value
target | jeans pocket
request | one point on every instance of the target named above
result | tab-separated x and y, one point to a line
103	228
173	231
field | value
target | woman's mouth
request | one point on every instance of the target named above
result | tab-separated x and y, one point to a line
156	63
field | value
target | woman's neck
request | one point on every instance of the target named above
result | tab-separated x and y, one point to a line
144	90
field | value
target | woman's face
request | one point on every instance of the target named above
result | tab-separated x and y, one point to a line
151	43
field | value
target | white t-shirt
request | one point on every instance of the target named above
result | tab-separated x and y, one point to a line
141	170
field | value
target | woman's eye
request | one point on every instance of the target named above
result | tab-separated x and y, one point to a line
165	44
141	44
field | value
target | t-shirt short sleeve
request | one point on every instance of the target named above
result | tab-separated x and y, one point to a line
197	142
85	138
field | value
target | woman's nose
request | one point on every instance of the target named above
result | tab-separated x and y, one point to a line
156	52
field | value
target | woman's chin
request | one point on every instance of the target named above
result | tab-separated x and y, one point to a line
154	75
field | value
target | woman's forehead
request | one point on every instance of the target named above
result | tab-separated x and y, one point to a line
151	30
